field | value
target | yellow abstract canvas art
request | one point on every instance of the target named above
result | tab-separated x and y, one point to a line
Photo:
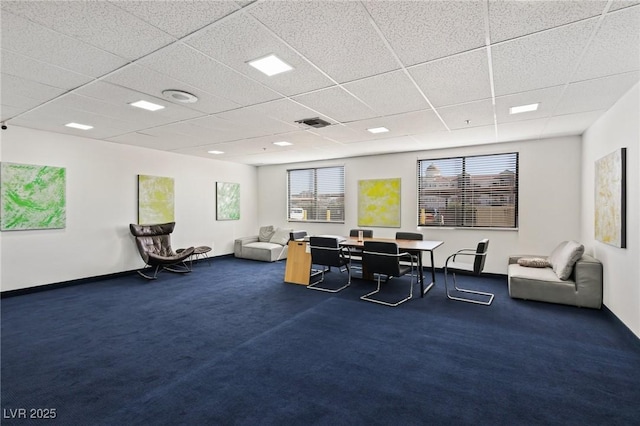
610	199
379	202
155	200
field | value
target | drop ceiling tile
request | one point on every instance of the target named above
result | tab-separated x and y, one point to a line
454	138
35	41
521	130
288	111
16	86
336	104
615	48
456	79
53	118
539	60
145	140
598	94
136	119
98	23
420	31
18	103
335	36
399	125
512	19
240	39
9	111
570	124
342	134
185	64
377	147
41	72
479	113
253	119
122	97
178	18
621	4
145	80
390	93
546	98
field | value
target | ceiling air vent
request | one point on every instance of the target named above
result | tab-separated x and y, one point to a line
314	122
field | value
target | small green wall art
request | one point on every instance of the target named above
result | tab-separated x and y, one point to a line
227	201
379	202
32	197
155	200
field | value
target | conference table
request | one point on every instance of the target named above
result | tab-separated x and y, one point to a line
404	245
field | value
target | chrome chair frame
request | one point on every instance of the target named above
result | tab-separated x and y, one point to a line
475	268
398	256
343	260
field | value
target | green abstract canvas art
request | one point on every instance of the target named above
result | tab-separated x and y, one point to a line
227	201
155	200
379	202
33	197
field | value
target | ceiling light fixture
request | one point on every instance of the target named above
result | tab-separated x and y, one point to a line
378	130
150	106
180	96
523	108
270	65
79	126
283	143
215	152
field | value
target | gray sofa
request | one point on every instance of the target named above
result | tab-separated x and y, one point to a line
269	245
570	277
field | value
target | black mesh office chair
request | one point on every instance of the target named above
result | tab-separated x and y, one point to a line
326	252
384	259
451	265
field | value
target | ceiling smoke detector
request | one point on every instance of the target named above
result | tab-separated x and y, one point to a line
314	122
180	96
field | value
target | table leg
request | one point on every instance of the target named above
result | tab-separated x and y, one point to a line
423	290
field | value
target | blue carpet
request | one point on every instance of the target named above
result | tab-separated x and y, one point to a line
231	343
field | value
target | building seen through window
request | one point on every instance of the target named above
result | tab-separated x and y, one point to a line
476	191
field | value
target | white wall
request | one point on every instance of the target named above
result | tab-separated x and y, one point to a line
102	202
618	128
549	198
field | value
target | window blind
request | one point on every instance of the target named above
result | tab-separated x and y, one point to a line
316	194
472	192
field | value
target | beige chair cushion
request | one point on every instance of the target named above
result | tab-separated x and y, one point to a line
534	262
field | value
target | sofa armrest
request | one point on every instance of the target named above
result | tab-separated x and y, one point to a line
239	242
588	275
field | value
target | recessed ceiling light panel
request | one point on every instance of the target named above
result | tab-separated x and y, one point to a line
150	106
523	108
270	65
378	130
180	96
79	126
283	143
215	152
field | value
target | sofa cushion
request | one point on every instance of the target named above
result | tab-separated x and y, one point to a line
265	234
534	262
563	260
266	252
280	236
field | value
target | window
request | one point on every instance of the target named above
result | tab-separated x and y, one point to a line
471	192
316	195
